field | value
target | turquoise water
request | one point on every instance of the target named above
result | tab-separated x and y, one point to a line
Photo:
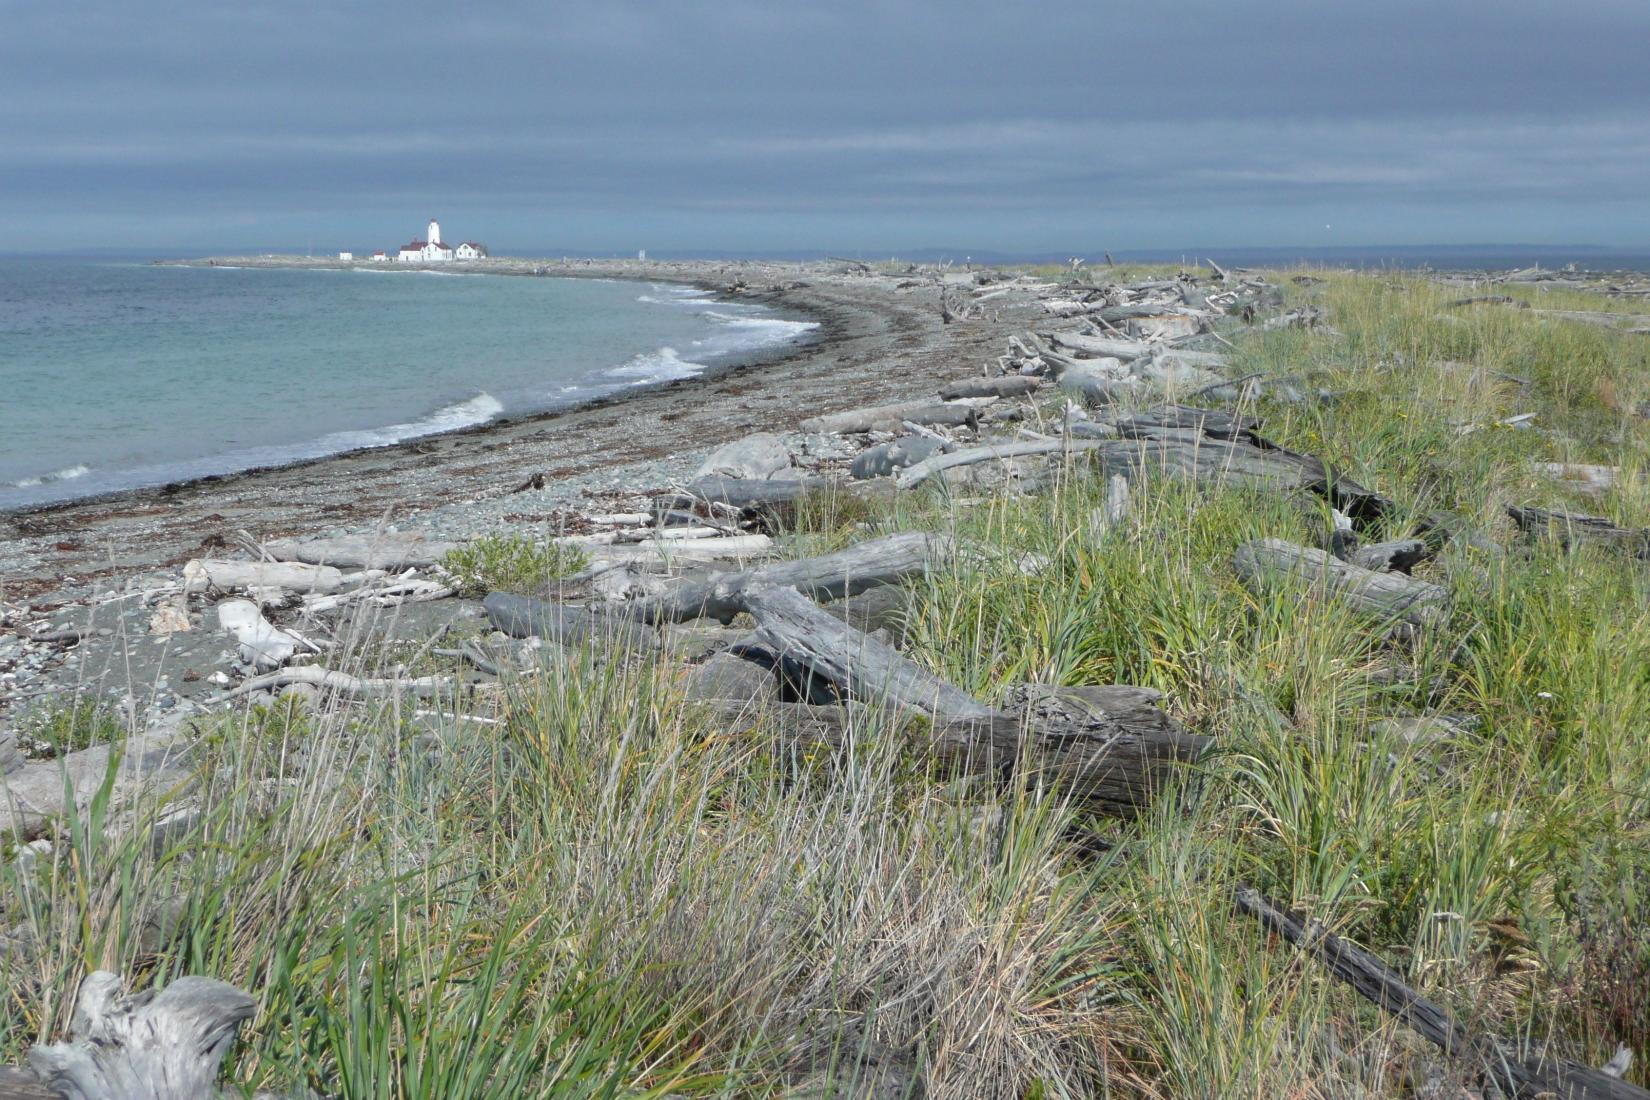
114	376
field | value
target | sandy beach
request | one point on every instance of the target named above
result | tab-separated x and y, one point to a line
876	341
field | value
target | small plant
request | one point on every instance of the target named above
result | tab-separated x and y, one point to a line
48	734
511	563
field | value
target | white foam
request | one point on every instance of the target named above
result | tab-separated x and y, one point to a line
449	418
656	366
68	473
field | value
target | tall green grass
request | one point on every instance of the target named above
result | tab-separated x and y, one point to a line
581	886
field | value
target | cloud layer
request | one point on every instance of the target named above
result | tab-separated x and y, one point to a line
850	125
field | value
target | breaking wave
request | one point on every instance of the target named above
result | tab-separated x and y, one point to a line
68	473
663	365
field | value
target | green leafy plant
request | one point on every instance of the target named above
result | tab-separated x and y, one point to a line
511	562
48	734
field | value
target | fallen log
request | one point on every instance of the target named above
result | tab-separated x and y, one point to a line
1013	385
165	1047
341	682
1215	423
1393	556
1375	981
1392	596
521	617
1107	747
866	565
857	421
795	627
1102	347
386	550
204	575
36	794
1571	529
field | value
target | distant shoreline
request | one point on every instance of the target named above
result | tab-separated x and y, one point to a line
866	330
514	267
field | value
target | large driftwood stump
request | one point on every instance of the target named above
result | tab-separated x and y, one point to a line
1572	529
1394	596
162	1047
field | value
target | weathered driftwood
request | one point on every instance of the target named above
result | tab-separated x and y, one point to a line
165	1047
382	550
1375	981
794	626
1109	747
341	683
261	643
202	575
1207	461
1589	481
855	421
521	617
1215	423
1393	556
1571	529
1106	347
866	565
1013	385
885	458
1393	596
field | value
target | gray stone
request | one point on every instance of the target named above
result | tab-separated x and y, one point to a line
883	459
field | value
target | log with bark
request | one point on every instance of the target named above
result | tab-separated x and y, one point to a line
1515	1075
1393	596
165	1047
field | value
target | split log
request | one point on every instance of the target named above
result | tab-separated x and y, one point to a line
1014	385
521	617
1378	983
1393	596
382	550
1572	529
201	575
167	1047
795	627
866	565
262	643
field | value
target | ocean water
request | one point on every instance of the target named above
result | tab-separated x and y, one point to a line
120	375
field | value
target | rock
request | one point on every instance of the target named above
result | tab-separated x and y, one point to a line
170	617
758	456
308	695
883	459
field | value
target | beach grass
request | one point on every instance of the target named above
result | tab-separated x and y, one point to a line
583	886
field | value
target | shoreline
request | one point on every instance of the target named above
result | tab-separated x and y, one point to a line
866	323
755	358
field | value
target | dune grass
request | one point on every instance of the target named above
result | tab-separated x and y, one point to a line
580	886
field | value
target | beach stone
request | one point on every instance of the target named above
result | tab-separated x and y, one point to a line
758	456
883	459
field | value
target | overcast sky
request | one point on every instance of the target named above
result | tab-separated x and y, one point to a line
836	125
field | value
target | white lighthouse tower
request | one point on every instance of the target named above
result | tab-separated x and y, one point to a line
434	236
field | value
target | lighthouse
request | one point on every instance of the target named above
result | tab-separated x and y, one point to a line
434	236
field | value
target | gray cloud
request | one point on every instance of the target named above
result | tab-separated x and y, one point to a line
853	124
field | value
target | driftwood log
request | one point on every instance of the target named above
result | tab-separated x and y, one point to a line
1572	529
381	550
1553	1078
1394	596
1108	747
887	417
866	565
165	1047
204	575
521	617
1013	385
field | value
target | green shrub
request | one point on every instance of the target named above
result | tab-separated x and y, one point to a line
511	563
48	734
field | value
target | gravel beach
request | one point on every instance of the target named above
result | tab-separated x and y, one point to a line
878	340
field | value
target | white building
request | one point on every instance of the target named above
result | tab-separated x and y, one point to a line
471	250
346	255
430	250
379	257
